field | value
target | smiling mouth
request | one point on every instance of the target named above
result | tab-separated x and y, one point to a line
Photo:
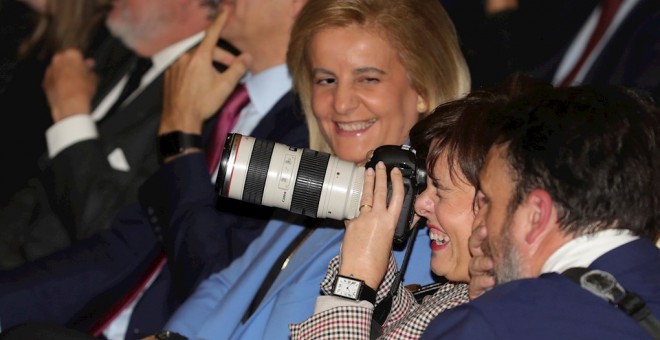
439	239
356	126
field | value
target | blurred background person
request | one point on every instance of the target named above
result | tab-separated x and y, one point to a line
101	145
31	33
614	42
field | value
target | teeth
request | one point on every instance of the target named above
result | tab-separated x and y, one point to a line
439	239
356	126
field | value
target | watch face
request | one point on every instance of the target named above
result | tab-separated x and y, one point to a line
347	288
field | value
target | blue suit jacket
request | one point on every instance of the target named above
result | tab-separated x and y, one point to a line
216	308
631	57
79	284
554	307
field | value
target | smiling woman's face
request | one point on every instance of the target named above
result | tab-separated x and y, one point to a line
361	96
448	208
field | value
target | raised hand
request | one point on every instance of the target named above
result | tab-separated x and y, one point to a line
194	89
367	243
69	84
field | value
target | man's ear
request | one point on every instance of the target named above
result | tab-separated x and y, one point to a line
539	215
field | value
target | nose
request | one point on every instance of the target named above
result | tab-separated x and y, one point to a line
345	100
425	204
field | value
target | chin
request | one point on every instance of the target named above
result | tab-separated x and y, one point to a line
353	156
439	269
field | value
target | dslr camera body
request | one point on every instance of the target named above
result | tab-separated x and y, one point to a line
312	183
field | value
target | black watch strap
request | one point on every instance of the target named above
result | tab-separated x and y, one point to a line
176	142
368	294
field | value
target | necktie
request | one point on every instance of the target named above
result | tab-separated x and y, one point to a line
608	10
228	117
141	66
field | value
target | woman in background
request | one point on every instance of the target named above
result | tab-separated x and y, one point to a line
53	25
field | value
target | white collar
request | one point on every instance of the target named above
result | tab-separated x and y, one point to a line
267	87
582	251
164	58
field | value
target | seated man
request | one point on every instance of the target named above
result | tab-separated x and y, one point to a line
570	182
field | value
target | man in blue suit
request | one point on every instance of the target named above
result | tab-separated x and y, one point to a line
570	182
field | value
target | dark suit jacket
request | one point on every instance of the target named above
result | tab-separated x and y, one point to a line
518	40
201	232
631	57
534	38
78	192
78	285
554	307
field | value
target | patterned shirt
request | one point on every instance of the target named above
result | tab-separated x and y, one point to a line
407	318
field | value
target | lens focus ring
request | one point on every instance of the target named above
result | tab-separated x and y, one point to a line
309	183
258	171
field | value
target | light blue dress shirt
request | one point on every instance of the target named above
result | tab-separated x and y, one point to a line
215	310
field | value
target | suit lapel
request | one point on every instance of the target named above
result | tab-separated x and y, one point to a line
140	108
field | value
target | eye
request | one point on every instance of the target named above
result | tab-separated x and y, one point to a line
370	80
324	81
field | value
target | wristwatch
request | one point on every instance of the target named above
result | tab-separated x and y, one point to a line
354	289
176	142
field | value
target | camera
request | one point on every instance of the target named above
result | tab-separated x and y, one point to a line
312	183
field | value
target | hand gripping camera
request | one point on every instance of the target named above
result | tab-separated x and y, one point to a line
311	183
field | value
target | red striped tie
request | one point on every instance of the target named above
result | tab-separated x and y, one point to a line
608	11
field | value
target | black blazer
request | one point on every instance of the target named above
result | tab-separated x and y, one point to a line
79	192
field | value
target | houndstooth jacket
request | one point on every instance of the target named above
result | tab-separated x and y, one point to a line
407	319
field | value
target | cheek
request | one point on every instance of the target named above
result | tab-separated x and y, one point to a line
411	115
458	224
321	103
495	221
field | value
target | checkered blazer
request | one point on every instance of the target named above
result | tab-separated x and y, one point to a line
407	319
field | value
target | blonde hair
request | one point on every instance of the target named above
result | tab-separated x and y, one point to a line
420	30
64	24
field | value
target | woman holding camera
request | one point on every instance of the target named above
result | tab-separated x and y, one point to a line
366	71
458	142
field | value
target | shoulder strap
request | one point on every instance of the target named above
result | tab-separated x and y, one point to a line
383	308
605	285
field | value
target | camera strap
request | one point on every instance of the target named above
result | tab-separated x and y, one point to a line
605	286
383	308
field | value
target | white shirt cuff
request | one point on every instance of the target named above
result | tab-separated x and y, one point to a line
326	302
69	131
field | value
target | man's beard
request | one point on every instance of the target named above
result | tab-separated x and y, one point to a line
132	31
507	260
